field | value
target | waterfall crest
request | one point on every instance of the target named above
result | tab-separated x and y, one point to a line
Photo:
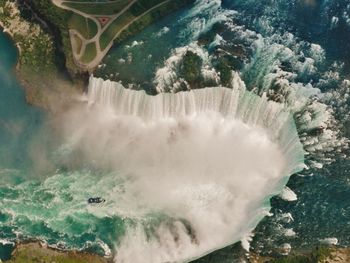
235	103
208	158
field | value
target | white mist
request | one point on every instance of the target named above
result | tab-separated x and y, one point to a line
210	159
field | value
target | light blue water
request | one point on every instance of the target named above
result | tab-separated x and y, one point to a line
136	60
31	199
323	205
18	121
290	32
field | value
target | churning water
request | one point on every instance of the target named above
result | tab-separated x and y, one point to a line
186	173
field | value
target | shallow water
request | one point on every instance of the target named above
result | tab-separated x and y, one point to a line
31	198
18	120
52	206
18	123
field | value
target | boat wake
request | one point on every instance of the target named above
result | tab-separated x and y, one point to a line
198	167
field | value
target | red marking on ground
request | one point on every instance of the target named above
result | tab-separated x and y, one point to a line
103	20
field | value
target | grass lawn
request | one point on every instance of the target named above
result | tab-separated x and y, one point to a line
114	28
89	53
102	8
85	26
137	10
77	43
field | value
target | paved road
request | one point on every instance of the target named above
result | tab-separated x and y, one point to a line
96	39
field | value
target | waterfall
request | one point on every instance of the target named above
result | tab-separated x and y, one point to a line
235	103
209	159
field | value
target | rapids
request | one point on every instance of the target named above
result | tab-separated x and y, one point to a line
208	159
189	172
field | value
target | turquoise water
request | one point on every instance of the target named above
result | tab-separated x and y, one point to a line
48	202
31	202
18	121
278	49
51	205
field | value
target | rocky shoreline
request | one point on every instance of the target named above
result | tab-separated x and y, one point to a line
30	252
316	255
45	84
35	68
39	252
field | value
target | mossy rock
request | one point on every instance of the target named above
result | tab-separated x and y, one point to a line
191	67
318	255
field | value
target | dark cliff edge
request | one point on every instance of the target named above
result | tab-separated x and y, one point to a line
47	71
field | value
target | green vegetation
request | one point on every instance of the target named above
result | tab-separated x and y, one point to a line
141	13
34	253
85	26
36	47
191	67
318	255
149	18
71	31
125	21
104	8
52	13
39	61
136	18
36	54
225	70
77	43
89	53
115	28
294	259
57	19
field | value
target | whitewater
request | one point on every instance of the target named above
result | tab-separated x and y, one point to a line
190	171
204	163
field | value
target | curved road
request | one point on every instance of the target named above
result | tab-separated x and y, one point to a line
96	39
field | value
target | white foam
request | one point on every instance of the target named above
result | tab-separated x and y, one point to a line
318	128
289	232
329	241
163	31
245	242
204	15
288	195
167	80
286	249
210	159
6	242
